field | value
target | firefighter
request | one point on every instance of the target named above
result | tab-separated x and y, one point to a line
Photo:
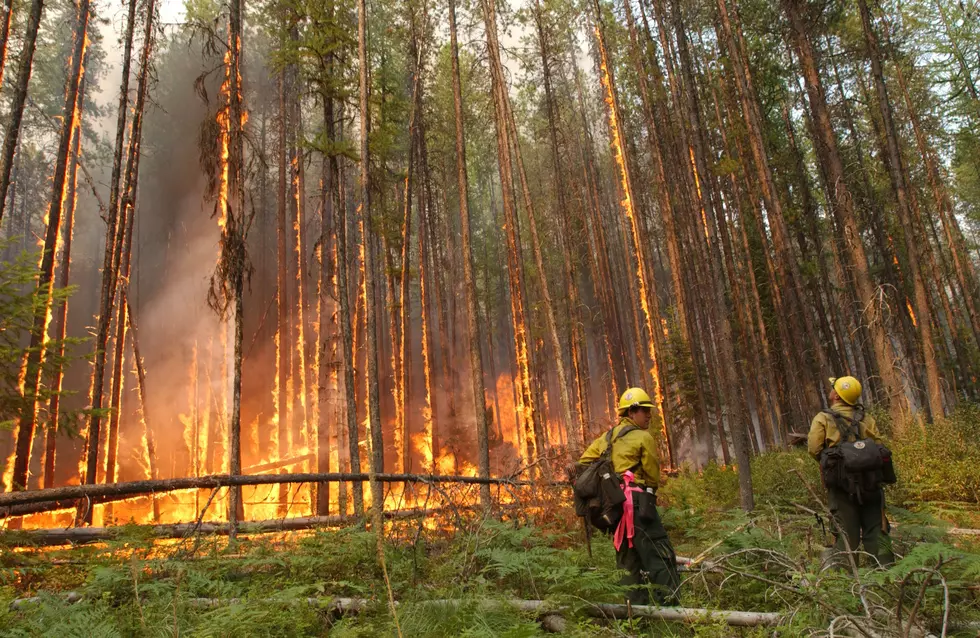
648	556
857	520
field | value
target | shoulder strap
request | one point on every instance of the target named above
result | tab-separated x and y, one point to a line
607	453
843	421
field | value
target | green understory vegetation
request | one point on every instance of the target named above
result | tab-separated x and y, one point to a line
768	560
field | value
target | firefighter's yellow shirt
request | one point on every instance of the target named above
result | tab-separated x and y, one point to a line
636	451
824	432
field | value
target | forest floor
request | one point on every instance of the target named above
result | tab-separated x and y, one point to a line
288	584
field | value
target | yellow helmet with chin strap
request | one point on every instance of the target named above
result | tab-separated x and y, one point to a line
634	398
847	388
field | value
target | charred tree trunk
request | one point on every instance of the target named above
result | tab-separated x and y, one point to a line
27	422
472	317
61	321
525	396
110	264
367	238
634	248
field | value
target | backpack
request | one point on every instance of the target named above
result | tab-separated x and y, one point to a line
598	490
858	467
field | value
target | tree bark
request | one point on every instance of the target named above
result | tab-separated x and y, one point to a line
8	11
61	321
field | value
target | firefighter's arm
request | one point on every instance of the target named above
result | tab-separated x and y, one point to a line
650	459
592	452
817	437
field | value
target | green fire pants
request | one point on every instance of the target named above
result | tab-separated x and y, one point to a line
651	561
861	522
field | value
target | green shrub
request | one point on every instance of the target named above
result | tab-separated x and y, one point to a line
774	478
942	461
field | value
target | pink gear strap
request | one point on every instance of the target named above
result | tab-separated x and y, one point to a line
625	527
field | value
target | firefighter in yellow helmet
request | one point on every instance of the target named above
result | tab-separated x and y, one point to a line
648	556
859	518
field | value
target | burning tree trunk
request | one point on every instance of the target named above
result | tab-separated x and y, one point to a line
914	243
45	281
128	214
472	316
842	205
646	286
283	408
148	437
525	398
19	98
233	268
61	321
367	238
572	423
328	357
110	266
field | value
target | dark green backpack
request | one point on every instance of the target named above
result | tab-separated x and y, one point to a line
857	466
598	490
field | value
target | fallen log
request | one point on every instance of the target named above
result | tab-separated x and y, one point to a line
148	487
85	535
542	608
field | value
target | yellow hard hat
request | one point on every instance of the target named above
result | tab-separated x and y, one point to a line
633	398
847	388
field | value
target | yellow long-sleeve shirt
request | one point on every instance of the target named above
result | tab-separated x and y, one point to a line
824	432
636	451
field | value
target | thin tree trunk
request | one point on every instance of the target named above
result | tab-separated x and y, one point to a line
330	273
27	422
18	99
283	338
934	392
150	439
110	265
571	422
8	11
646	287
347	337
469	281
128	215
235	229
373	392
61	321
958	54
525	397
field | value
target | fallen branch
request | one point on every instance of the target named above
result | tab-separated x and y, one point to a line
544	609
83	535
138	488
275	465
